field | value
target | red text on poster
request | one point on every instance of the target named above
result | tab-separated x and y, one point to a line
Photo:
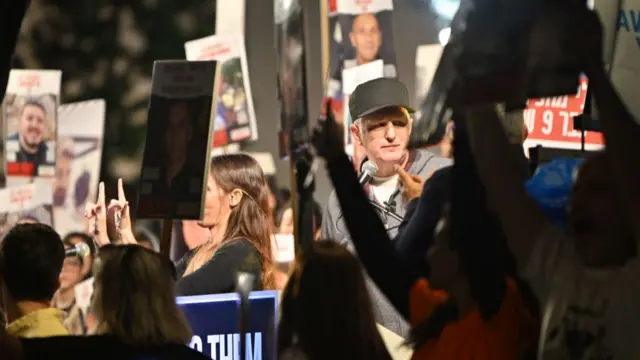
550	122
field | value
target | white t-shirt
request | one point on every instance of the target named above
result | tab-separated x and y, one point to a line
586	314
383	188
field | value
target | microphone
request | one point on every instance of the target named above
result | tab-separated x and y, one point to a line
367	172
80	250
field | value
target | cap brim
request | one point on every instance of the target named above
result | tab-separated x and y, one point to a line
380	107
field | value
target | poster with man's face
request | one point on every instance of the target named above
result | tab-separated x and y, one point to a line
79	155
360	32
234	116
175	163
29	203
30	110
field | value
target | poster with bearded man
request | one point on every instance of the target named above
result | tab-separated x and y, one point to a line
30	111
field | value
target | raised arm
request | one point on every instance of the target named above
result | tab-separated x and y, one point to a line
416	232
622	134
499	168
375	250
368	233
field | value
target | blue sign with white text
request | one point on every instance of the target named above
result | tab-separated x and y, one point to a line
216	331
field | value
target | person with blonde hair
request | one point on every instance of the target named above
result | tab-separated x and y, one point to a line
144	310
238	217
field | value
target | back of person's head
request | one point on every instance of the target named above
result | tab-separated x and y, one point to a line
251	218
31	258
326	310
134	297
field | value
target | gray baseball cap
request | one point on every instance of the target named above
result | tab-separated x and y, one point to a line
378	94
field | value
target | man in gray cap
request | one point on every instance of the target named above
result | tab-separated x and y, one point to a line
382	124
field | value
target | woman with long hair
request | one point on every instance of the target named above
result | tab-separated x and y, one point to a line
237	216
326	310
144	310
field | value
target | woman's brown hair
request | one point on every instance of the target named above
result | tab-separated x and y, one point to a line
326	311
134	297
250	219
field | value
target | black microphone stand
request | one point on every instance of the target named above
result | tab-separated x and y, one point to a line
244	286
386	210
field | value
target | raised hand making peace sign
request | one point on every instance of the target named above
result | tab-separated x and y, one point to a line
114	219
120	218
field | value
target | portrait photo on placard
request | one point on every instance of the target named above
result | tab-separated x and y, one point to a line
30	122
174	157
232	115
359	35
179	127
29	112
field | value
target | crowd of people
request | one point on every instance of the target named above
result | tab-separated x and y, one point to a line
474	269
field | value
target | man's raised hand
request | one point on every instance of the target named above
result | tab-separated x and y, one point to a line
327	136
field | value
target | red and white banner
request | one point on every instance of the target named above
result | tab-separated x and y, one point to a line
29	203
550	122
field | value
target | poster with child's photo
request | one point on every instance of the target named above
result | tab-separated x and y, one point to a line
234	116
29	203
79	155
30	111
175	162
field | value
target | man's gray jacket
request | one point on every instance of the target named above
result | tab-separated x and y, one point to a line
422	163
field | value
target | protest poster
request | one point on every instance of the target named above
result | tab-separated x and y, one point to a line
625	49
550	122
351	78
175	163
214	321
29	110
30	203
290	40
427	60
234	115
78	159
360	32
